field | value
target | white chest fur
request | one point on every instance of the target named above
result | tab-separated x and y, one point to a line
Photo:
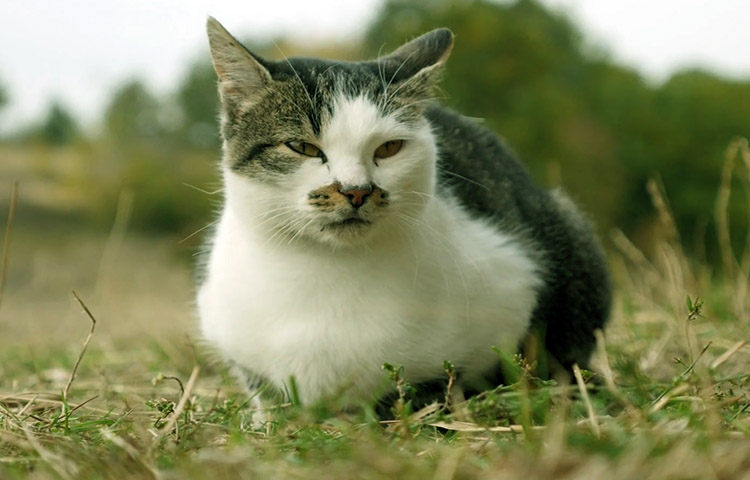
443	287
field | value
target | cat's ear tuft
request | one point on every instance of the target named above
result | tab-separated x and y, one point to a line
241	74
422	57
425	51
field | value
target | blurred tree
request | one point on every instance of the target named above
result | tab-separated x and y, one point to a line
699	114
149	162
521	68
59	127
198	102
133	114
574	116
3	96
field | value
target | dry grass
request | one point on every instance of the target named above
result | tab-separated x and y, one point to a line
6	239
138	286
670	399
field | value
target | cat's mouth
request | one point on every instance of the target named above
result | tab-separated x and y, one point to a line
351	222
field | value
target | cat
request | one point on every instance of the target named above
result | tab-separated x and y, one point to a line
364	223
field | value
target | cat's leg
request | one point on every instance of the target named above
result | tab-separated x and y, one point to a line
253	384
577	299
259	415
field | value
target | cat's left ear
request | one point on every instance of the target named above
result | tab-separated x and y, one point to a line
419	61
242	75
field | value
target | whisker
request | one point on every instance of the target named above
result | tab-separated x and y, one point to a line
411	221
451	247
210	224
414	192
385	92
300	230
416	102
207	192
281	211
454	174
283	231
409	237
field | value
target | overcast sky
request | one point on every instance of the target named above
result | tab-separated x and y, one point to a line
78	51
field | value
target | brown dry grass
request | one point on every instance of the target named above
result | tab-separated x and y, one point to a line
673	400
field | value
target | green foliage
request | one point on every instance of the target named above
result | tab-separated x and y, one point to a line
680	421
521	68
505	404
699	114
3	96
159	181
674	407
155	149
133	115
578	119
198	102
694	308
402	407
59	128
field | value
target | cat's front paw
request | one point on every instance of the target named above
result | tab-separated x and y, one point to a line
259	416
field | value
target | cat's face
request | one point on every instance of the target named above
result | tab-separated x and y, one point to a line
325	151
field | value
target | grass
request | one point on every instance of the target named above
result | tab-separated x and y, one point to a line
669	396
144	413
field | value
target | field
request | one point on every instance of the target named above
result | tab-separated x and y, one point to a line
135	395
103	374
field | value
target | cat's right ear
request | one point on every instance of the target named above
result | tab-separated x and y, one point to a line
419	63
242	76
425	53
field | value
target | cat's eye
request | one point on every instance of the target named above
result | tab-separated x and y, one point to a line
306	149
389	148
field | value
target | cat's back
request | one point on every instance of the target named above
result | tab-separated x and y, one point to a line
480	171
476	166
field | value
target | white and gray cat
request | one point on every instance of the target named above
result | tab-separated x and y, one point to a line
363	223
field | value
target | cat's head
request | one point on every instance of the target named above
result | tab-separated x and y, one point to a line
325	151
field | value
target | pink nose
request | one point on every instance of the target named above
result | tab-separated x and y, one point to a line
357	195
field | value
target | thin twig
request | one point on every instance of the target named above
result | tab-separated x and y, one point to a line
43	398
181	404
692	365
6	241
80	405
666	397
179	382
27	406
728	354
473	427
85	345
601	345
586	399
721	211
683	376
743	279
113	245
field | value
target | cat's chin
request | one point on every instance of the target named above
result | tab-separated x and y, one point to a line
348	232
348	224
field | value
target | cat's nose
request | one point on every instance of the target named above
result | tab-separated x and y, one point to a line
357	196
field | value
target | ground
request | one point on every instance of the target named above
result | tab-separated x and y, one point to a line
668	397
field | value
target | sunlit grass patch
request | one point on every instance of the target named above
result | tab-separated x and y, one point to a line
668	395
680	415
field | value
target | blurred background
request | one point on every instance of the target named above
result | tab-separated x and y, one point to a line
108	122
